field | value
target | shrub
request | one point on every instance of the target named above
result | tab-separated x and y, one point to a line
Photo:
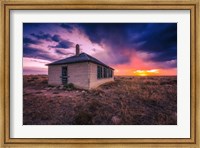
69	86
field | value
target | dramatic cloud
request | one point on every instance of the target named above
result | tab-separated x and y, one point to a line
68	27
47	37
27	41
56	38
159	39
42	36
37	53
63	44
63	52
127	47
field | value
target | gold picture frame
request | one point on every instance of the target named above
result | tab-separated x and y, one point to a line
7	5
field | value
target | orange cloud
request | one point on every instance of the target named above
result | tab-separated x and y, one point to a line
139	66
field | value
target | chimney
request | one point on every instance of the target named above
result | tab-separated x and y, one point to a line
77	50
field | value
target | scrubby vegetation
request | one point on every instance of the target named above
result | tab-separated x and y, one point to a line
127	101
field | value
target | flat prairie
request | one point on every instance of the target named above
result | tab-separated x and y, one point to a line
126	101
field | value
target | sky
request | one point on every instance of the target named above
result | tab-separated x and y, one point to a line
132	49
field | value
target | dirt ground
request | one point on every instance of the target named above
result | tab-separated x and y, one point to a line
126	101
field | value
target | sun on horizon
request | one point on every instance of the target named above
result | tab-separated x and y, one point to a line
145	72
152	72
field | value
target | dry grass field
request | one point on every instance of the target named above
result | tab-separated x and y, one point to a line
126	101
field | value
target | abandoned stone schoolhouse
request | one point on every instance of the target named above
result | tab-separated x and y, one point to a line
82	70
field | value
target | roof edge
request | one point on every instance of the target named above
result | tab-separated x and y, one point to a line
51	64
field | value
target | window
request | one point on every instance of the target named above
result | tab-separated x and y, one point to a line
110	73
109	70
99	72
101	75
103	72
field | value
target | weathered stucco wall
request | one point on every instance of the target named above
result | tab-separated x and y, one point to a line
54	73
94	81
82	75
78	74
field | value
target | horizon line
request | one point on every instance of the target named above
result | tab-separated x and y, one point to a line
119	75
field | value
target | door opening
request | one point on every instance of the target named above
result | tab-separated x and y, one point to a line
64	75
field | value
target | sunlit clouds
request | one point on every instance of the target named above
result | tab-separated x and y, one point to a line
134	49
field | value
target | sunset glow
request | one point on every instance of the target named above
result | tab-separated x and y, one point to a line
132	49
152	72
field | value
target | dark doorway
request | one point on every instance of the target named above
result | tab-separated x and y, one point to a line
64	75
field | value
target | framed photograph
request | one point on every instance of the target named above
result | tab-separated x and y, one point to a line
100	73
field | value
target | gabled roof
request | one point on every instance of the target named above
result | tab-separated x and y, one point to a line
83	57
